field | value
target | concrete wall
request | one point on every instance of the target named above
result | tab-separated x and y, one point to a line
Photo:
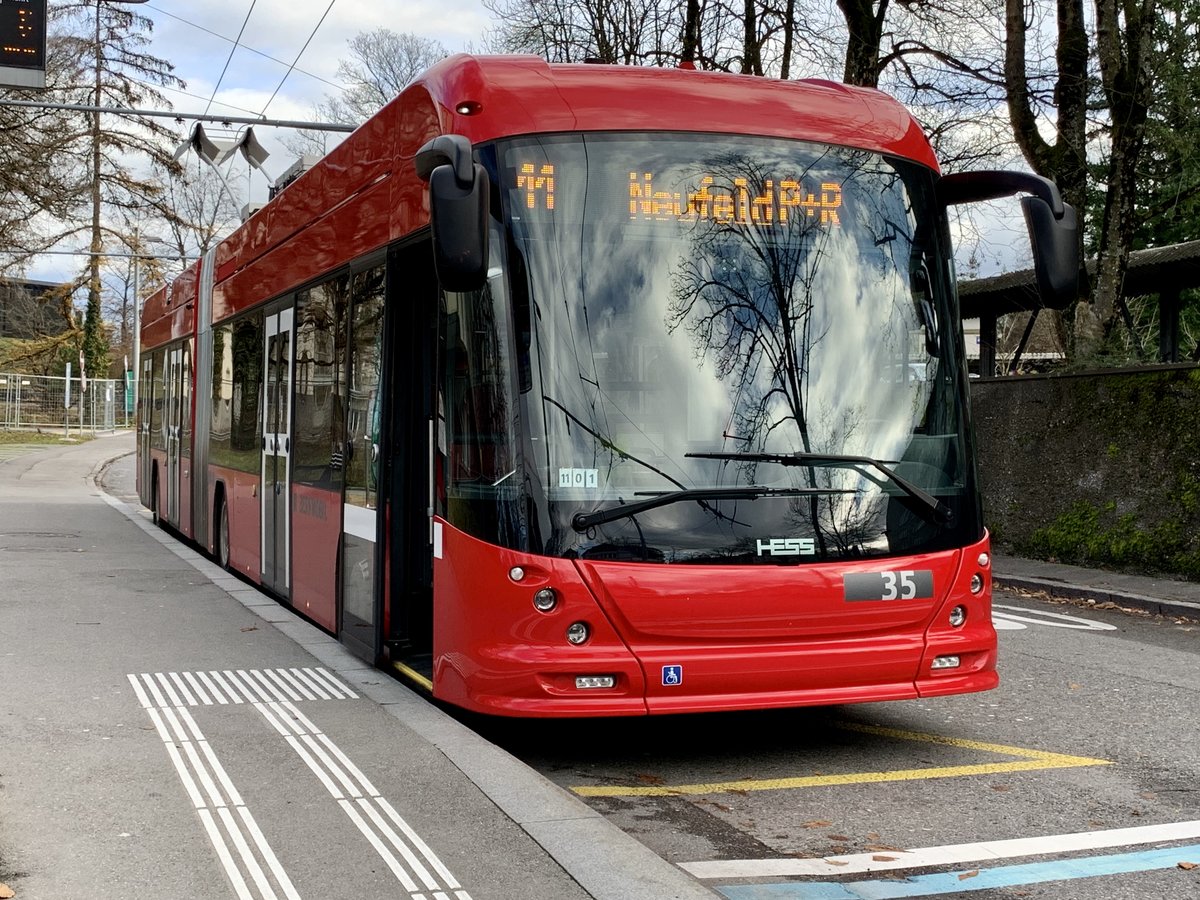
1099	469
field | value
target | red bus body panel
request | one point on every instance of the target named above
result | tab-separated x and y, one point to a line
316	531
744	637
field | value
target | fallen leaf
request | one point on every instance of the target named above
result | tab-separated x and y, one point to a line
250	628
884	848
879	857
816	823
1000	788
837	862
965	875
650	779
840	838
5	891
1186	866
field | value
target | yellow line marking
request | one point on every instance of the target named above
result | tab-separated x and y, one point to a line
413	675
1027	761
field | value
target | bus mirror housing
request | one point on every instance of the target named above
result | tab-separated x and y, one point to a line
458	211
1055	244
1053	225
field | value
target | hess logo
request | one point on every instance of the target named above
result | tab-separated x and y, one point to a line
787	547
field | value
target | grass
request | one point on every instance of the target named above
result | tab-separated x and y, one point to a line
35	437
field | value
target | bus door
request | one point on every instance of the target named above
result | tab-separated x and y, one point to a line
415	431
145	404
172	378
361	581
276	451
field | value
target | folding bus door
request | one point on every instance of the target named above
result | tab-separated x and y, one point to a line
359	625
276	452
173	390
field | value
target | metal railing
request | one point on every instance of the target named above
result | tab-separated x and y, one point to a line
48	402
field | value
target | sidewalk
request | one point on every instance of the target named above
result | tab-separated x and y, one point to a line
109	814
1156	595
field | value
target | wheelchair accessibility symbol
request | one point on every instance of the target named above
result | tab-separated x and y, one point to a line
672	675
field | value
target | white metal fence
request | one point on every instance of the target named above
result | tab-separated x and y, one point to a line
42	401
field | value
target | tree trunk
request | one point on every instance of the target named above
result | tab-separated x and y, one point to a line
1128	88
864	25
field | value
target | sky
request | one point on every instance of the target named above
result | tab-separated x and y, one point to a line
198	39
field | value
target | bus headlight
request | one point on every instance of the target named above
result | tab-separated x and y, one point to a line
578	632
545	600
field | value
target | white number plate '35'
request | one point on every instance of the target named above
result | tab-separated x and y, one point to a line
907	584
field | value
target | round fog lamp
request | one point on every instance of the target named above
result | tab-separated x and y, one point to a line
958	615
545	599
578	632
976	583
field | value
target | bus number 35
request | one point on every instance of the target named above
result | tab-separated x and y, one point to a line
899	585
906	584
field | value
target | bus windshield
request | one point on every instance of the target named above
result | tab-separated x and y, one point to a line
710	331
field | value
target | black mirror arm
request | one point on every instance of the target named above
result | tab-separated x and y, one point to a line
972	187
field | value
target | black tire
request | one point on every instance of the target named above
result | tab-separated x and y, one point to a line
221	545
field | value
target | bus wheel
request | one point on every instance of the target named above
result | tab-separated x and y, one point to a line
223	535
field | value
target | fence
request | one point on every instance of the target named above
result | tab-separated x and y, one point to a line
61	404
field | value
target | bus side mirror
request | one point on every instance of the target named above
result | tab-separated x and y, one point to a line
1055	244
1053	225
458	211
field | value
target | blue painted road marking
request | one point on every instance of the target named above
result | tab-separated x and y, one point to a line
954	882
673	675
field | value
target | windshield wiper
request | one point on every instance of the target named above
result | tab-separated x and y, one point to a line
584	521
939	511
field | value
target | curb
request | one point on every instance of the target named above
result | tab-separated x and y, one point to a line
1155	605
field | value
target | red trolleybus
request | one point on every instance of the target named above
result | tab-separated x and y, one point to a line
591	390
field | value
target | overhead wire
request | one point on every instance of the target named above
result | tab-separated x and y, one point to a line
237	43
246	47
317	28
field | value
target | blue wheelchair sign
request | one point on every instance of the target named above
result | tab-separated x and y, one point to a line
672	675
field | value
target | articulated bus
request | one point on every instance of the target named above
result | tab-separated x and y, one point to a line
595	390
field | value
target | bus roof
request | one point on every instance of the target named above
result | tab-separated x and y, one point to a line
488	97
365	193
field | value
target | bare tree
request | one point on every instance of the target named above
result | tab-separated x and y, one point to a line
109	43
380	65
39	178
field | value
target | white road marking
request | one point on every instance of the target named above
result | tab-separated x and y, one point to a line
1051	619
195	761
217	677
166	697
952	854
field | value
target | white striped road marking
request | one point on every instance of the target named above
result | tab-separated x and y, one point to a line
1038	617
198	762
273	692
952	854
418	866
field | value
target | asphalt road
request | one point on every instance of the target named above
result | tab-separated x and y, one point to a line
1093	730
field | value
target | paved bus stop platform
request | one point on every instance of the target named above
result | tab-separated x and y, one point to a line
170	732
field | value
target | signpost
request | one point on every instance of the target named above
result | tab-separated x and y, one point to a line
23	43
